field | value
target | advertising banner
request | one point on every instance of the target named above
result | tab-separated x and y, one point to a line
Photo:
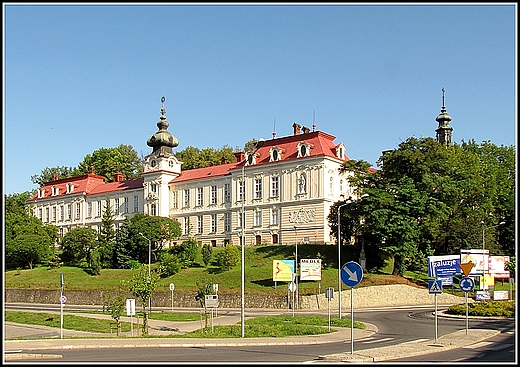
443	266
497	266
480	259
283	270
310	269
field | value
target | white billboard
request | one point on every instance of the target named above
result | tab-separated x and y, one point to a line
310	269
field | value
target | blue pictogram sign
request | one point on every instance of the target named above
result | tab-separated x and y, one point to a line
466	284
351	273
63	299
435	286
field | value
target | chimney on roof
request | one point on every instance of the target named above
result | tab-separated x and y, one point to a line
306	130
118	177
296	128
239	156
55	177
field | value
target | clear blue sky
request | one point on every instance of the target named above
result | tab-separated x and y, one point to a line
82	77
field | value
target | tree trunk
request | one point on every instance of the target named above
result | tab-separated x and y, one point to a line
397	265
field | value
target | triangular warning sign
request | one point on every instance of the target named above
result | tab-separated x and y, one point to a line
466	268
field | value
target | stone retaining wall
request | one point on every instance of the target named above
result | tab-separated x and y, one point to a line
374	296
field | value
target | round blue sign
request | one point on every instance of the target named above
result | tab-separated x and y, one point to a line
351	274
466	284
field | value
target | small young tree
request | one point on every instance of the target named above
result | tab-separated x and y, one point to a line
142	287
115	306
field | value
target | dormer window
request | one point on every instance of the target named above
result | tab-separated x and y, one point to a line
55	191
41	193
70	188
304	149
340	151
275	154
250	159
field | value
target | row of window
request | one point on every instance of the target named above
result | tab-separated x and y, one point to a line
51	214
274	220
257	194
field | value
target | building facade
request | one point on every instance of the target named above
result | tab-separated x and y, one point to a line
280	192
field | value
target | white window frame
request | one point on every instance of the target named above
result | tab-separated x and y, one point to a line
275	186
214	194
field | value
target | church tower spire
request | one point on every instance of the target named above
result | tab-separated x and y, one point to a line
444	130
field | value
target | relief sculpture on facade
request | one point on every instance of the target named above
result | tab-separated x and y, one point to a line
302	216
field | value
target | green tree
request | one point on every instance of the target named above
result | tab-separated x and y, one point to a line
192	157
142	287
77	246
28	250
430	199
228	257
49	174
115	306
108	161
107	235
207	252
125	247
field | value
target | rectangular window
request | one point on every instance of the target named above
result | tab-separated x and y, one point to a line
116	206
274	216
213	223
69	211
89	209
153	187
200	196
47	214
99	208
62	213
54	214
186	198
125	205
227	221
78	210
40	210
200	224
136	204
275	187
227	193
213	194
241	190
174	199
186	225
258	188
258	218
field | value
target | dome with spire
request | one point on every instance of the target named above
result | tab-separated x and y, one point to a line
162	141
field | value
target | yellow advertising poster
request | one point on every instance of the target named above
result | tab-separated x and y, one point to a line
283	270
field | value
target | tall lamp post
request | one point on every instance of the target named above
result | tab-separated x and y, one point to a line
484	230
258	144
349	201
149	263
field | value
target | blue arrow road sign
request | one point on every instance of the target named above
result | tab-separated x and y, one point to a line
435	286
466	284
351	273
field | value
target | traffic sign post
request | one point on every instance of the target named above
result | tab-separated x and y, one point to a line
351	275
466	285
435	287
172	287
329	293
63	299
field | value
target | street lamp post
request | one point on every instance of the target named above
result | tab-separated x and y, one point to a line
484	230
349	201
258	144
149	263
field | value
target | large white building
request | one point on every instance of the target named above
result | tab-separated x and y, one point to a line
285	188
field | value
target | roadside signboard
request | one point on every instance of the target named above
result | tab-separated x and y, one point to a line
130	307
476	256
443	266
211	300
482	295
497	266
310	269
283	270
